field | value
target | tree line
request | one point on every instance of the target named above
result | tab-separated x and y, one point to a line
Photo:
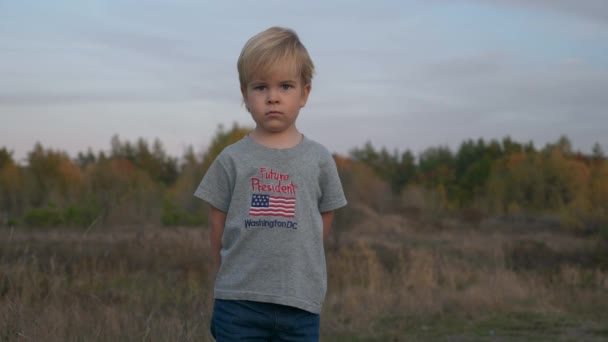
138	183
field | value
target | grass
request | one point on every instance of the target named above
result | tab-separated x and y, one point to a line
513	326
402	284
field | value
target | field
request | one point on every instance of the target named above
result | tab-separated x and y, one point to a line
390	279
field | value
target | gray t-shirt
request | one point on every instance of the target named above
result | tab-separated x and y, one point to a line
272	245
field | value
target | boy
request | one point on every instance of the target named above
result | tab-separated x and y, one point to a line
272	197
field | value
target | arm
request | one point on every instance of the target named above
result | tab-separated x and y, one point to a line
217	219
327	217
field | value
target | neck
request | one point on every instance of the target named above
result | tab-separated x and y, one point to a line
285	139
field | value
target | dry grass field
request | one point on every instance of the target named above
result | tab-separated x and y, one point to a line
390	279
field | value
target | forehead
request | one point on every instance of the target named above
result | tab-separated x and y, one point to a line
281	71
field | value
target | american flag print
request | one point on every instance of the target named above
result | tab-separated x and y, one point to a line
268	205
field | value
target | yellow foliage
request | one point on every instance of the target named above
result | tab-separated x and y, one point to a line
598	188
10	177
221	140
514	208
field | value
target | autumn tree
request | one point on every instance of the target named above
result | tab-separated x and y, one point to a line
52	178
180	207
397	169
152	160
221	139
11	188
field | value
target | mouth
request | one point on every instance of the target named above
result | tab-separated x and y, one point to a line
274	112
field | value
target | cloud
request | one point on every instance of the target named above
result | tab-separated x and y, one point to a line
147	46
45	99
184	94
596	10
452	99
489	81
116	67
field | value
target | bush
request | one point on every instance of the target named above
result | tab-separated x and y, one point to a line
81	216
173	215
43	217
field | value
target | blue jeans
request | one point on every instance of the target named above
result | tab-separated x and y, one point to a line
243	320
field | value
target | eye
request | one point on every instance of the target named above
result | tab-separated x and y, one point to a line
286	86
259	87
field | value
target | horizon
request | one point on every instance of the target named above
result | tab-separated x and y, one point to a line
199	152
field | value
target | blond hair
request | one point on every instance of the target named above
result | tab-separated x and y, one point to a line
276	48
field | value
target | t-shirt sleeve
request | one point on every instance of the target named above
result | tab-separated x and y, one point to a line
332	194
216	186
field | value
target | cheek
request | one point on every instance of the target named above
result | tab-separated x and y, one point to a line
257	103
256	97
250	100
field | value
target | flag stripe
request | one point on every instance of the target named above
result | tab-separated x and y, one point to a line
273	211
283	206
281	215
279	197
282	202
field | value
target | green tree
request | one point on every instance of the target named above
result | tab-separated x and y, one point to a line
597	153
436	166
509	146
6	157
84	159
394	168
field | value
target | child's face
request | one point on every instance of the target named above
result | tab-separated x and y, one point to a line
274	100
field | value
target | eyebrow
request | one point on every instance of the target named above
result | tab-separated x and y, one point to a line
264	82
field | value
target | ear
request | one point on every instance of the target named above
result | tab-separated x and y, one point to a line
305	93
244	93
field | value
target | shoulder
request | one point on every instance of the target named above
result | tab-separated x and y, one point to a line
229	159
317	148
318	151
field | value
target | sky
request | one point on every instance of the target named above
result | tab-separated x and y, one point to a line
400	74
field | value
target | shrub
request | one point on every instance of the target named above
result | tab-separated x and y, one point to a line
43	217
